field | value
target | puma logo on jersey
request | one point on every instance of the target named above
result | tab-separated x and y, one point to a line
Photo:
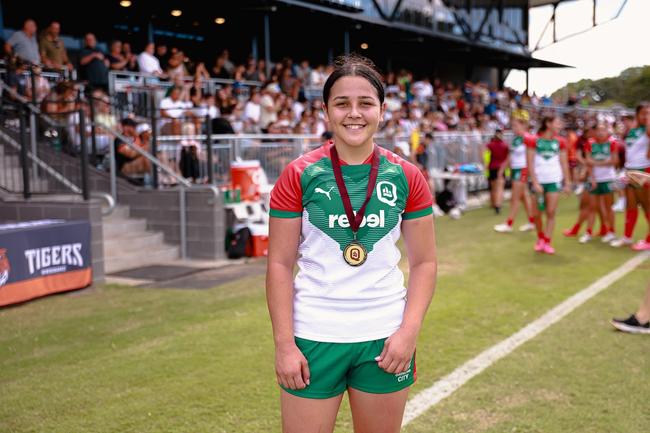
322	191
373	220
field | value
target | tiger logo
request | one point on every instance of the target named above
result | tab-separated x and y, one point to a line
4	267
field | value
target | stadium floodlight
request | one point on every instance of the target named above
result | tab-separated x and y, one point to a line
176	13
125	3
364	46
219	20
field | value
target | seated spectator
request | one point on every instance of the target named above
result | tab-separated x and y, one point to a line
16	78
172	110
53	52
130	162
148	63
93	63
103	116
252	109
23	44
117	61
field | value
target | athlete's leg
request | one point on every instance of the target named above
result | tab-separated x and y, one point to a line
643	197
591	212
643	314
528	203
517	189
552	199
605	203
631	211
582	216
377	413
308	415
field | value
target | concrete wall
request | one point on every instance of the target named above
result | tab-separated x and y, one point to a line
205	218
19	210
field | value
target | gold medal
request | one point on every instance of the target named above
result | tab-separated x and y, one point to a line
355	254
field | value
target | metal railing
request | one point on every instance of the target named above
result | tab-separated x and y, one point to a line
133	90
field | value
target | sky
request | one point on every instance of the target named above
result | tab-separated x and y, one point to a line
603	51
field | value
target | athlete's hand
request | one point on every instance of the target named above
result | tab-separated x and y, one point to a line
291	366
567	188
538	188
398	351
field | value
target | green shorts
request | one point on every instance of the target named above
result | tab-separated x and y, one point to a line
333	367
602	188
519	175
552	187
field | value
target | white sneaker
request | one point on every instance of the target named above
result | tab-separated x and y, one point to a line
622	241
584	238
527	227
503	228
608	237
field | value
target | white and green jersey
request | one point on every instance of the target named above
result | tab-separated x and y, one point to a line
333	301
517	150
636	149
548	168
602	152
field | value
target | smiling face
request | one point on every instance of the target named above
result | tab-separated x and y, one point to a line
353	111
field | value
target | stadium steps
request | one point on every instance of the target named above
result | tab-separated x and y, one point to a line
128	244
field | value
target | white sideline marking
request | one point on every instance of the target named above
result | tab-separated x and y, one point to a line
447	385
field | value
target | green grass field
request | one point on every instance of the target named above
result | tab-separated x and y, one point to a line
123	359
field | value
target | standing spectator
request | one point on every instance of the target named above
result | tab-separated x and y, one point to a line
148	63
94	64
132	59
498	156
162	54
227	64
219	69
252	73
53	52
270	107
23	43
116	59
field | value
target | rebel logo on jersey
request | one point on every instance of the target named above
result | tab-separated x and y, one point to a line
547	149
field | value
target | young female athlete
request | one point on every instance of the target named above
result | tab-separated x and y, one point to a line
547	167
519	174
588	202
637	157
346	321
602	159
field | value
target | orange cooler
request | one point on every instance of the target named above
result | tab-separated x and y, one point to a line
245	175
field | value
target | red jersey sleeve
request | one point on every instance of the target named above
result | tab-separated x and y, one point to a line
530	141
613	145
562	141
419	200
587	146
286	195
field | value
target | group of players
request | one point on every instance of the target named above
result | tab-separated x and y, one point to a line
540	163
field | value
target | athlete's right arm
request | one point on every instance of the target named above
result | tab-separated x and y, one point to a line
290	364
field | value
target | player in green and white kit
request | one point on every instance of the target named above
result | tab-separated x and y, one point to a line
347	322
548	167
602	158
519	175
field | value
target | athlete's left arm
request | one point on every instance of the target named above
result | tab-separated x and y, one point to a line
564	161
419	240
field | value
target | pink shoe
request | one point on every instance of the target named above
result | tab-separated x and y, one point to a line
539	246
570	233
548	249
642	245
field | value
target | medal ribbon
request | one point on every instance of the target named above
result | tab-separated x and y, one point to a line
355	220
